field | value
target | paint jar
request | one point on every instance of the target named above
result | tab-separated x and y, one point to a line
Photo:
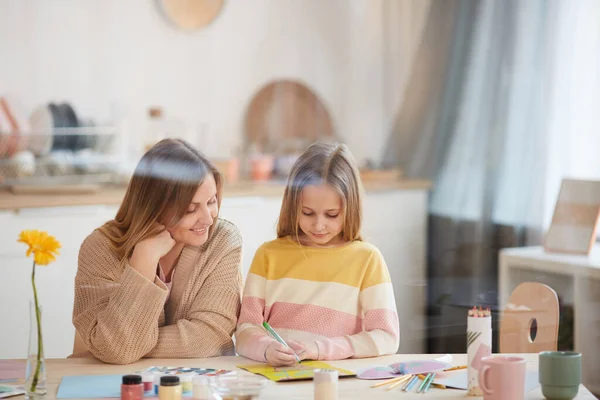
326	384
132	388
202	389
186	383
148	383
170	388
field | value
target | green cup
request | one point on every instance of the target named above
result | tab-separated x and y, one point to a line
560	374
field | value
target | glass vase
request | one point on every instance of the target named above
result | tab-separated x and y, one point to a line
35	383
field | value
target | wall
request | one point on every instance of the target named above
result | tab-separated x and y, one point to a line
112	59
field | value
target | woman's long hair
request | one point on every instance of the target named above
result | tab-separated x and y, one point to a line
160	191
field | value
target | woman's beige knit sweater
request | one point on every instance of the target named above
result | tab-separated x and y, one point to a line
122	316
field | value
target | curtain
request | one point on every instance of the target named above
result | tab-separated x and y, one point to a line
473	121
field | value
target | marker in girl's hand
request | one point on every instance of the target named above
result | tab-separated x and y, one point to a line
278	338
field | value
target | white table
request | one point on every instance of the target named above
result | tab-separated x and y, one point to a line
349	388
576	279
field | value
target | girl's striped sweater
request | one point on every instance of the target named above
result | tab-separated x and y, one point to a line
341	298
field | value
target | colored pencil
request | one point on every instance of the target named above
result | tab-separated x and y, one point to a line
388	381
400	382
406	383
411	383
456	368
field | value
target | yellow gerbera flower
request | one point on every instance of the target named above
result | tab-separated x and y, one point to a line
43	246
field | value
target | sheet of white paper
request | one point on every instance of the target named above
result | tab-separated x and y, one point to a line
458	379
447	358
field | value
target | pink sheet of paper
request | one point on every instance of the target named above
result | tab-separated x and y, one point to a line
408	367
380	372
11	370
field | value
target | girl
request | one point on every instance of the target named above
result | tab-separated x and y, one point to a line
324	290
163	278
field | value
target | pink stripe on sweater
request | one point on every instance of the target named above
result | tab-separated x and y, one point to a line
314	319
384	319
335	349
252	311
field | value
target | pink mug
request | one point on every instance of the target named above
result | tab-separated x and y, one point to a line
502	377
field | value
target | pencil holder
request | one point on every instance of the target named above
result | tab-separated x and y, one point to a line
479	345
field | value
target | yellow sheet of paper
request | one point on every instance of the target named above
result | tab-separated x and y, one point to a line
303	371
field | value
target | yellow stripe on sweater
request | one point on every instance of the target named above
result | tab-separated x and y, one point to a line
358	264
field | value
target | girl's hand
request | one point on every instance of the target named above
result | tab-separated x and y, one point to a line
305	350
148	252
279	355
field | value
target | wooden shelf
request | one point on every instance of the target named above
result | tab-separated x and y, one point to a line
112	195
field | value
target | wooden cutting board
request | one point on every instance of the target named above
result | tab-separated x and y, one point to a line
285	112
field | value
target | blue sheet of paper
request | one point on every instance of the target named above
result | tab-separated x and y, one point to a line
89	386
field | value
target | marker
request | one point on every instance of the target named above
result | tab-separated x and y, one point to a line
278	338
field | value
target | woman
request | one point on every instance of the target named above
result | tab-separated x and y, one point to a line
163	278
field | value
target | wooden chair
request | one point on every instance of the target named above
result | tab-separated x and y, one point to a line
79	347
530	321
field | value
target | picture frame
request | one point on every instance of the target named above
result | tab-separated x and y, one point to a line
575	219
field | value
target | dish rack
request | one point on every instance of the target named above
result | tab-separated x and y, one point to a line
62	156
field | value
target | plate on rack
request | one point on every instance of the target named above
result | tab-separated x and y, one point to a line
41	123
59	142
75	140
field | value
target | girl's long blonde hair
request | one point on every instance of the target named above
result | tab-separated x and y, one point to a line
160	191
322	163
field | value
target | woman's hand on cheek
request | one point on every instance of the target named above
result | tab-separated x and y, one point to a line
158	246
148	252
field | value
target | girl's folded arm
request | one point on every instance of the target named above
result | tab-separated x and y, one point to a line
381	334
